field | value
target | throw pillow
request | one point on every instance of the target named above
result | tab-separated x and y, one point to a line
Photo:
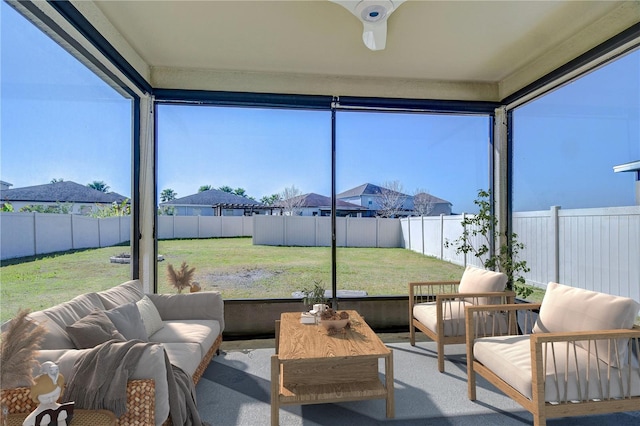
150	315
128	321
92	330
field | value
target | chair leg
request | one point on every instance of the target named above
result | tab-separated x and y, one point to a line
412	333
539	420
440	357
471	384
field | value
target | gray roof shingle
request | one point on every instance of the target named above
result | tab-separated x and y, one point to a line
60	192
316	200
212	197
364	189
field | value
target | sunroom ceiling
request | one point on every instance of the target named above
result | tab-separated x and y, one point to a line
474	50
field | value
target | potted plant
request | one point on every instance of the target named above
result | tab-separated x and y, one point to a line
504	258
314	295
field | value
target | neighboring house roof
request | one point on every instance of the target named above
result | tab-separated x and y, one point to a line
316	200
364	189
60	192
432	198
213	197
633	166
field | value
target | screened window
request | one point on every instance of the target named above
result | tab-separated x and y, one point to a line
579	216
63	128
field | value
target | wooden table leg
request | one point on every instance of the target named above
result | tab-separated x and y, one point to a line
388	373
275	390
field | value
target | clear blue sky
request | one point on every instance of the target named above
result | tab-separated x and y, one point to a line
61	121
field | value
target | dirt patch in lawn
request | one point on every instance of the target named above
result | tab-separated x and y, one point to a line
242	278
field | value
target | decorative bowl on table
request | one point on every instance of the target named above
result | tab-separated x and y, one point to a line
333	320
337	324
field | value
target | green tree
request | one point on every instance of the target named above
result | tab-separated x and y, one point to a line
168	194
483	227
204	188
56	180
115	209
270	200
226	188
59	208
6	207
240	191
99	185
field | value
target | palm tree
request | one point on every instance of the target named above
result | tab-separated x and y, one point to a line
240	191
168	194
99	185
204	188
226	188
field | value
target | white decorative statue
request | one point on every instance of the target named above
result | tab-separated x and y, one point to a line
46	391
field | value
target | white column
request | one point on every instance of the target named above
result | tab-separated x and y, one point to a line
148	259
500	162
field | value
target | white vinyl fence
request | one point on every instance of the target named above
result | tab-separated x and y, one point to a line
170	227
28	234
596	249
316	231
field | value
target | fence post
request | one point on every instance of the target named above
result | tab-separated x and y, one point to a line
422	232
464	217
441	236
35	234
73	243
555	246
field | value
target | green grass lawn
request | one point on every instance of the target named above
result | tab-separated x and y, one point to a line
233	266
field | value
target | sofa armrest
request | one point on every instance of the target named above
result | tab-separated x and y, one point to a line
151	366
201	305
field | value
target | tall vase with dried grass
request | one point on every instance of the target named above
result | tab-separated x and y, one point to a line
18	348
180	278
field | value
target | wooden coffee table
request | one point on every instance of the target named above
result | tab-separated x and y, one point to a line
313	367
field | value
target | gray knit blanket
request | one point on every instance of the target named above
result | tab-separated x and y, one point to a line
100	376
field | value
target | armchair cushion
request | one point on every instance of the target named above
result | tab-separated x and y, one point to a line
509	357
476	280
566	308
453	316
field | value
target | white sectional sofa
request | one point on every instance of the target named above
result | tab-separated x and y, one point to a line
187	326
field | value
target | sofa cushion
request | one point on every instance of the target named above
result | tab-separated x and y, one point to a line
202	332
127	320
56	337
130	291
92	330
566	308
509	357
476	280
69	312
184	355
150	315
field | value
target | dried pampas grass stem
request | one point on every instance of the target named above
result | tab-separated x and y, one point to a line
19	345
180	278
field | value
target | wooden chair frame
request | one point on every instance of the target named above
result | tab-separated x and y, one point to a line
537	405
444	293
